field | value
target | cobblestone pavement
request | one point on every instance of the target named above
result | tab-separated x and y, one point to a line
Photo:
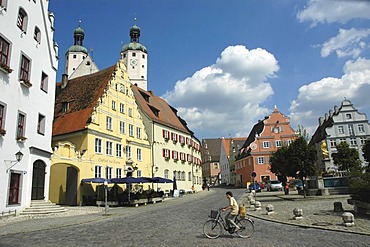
175	222
318	211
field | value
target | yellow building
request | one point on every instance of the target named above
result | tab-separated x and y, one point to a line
97	133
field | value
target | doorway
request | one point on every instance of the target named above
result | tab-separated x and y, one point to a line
38	180
71	188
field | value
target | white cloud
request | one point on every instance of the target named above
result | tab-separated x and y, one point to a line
348	42
227	96
317	98
324	11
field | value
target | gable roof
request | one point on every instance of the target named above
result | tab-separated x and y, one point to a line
82	95
158	110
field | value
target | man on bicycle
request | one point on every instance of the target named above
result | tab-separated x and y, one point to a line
234	210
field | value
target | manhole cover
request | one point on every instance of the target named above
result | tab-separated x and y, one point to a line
322	224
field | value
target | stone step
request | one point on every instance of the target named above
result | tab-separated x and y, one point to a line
43	207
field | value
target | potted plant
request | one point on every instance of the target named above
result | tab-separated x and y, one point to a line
5	68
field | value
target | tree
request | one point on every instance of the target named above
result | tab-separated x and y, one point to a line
346	158
297	160
366	150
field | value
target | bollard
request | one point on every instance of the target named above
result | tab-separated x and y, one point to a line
298	213
348	219
257	205
253	202
270	209
338	207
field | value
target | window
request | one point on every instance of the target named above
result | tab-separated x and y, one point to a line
14	188
138	133
362	140
109	172
340	129
189	157
165	134
122	87
144	56
109	123
41	125
333	143
22	20
65	106
98	145
139	174
121	108
288	142
37	35
130	112
4	53
165	173
98	171
266	144
182	141
134	54
342	140
109	148
44	82
138	154
113	105
174	137
119	172
119	150
361	128
261	160
278	143
2	118
182	156
128	152
350	129
275	130
183	176
175	155
353	141
348	116
21	126
166	153
122	127
131	130
25	69
189	176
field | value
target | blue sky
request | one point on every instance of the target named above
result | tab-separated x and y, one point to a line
226	64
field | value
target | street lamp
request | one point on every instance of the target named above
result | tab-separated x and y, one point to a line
18	158
106	195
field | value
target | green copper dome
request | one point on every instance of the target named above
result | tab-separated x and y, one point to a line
133	46
77	48
79	30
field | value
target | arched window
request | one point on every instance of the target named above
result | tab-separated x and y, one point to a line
22	19
37	35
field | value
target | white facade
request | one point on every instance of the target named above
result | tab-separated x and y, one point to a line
347	124
173	157
224	165
27	90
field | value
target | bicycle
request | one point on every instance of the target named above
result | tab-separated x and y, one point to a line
212	228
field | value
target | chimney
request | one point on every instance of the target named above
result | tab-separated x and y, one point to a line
64	80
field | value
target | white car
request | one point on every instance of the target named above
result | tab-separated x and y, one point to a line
274	185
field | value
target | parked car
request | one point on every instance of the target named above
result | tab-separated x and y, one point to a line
274	185
254	186
297	183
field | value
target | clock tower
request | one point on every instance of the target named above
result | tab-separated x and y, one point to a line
135	57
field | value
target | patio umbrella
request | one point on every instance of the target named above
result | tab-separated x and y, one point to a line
160	180
95	180
129	180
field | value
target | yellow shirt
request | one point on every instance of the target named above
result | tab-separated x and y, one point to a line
234	206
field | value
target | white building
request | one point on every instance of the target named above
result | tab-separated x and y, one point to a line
77	60
28	64
135	56
343	124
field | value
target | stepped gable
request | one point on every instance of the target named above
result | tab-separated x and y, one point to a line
82	94
158	110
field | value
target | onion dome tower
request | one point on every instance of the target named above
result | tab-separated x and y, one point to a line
135	56
76	53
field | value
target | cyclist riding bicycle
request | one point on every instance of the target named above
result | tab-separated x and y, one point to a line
234	210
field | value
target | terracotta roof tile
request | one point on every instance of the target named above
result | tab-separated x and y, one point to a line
83	94
158	110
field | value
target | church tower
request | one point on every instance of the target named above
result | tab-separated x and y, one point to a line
135	57
77	60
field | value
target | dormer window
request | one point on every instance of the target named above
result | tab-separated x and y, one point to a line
65	106
348	116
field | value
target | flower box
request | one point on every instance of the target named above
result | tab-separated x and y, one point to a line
26	82
5	68
2	132
21	138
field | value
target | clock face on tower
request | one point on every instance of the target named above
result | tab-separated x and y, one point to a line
133	62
